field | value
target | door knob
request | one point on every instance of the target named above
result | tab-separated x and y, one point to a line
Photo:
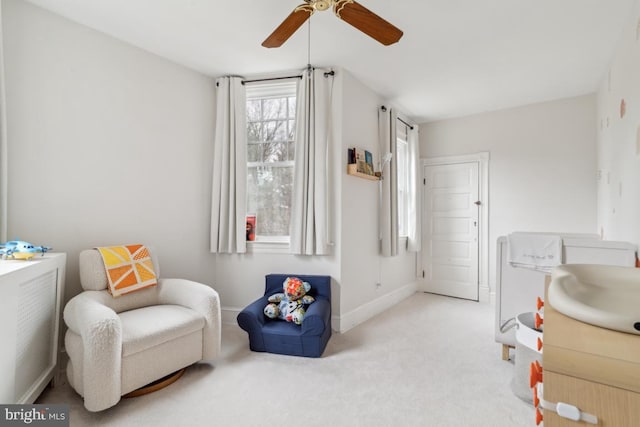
477	203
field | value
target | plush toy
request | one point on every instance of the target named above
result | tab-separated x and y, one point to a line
289	305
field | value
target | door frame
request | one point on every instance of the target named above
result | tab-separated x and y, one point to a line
482	158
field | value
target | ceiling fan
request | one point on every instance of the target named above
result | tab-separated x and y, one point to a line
348	10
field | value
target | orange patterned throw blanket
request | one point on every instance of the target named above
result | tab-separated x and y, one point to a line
129	268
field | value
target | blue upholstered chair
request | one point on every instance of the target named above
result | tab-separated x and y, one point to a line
282	337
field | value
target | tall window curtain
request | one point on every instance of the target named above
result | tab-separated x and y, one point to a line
414	242
309	205
387	119
228	194
3	146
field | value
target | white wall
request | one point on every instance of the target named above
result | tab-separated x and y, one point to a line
362	267
108	144
619	140
541	168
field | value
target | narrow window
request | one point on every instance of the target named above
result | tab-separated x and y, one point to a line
271	111
402	165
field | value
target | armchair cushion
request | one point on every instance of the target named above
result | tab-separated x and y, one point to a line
151	326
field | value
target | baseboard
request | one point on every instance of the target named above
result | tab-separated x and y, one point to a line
349	320
484	294
230	315
367	311
492	298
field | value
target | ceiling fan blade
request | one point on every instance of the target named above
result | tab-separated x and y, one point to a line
366	21
289	26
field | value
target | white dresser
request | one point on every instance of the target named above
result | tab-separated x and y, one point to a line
31	294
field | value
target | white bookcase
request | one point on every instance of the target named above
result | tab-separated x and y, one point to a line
31	294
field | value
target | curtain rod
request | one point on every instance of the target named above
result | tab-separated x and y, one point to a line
383	108
327	74
410	126
272	78
299	76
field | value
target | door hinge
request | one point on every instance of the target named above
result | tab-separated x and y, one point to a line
423	274
424	181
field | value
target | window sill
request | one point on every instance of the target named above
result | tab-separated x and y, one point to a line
268	247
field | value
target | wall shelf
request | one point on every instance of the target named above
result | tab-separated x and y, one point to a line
352	169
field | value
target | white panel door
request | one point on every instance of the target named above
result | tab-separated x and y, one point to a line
450	230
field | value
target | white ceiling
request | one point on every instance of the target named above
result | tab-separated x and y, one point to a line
457	57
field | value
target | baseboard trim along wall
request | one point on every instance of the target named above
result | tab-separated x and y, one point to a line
353	318
484	294
372	308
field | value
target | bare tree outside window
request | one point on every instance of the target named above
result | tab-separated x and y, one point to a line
270	157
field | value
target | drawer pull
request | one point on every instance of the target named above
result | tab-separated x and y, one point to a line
569	412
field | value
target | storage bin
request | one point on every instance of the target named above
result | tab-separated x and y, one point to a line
526	352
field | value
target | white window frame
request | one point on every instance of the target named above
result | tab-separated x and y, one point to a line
263	243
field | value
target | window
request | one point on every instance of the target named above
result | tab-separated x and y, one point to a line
271	111
402	168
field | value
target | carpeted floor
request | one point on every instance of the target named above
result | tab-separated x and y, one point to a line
429	361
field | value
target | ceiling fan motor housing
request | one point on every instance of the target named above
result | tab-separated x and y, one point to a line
322	4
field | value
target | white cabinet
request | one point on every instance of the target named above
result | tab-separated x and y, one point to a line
31	295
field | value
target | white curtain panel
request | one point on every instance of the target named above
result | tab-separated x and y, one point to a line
414	243
387	119
309	206
228	194
3	145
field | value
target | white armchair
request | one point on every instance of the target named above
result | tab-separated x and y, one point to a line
117	345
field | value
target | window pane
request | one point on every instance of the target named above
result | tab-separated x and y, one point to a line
254	152
280	133
275	151
291	154
269	197
254	110
292	106
254	131
403	176
270	128
275	108
291	133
